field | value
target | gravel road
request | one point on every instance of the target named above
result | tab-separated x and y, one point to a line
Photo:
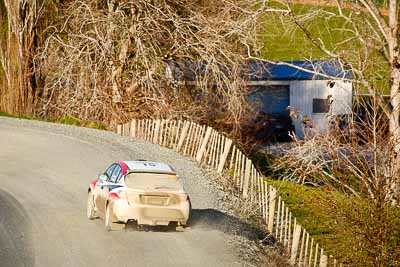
45	169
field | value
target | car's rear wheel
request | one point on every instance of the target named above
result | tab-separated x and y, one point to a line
190	210
90	207
189	215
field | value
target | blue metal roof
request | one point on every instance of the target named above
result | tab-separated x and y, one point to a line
296	70
256	70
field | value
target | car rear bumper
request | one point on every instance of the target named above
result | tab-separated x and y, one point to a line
151	214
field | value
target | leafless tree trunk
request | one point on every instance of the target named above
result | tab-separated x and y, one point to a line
17	56
392	36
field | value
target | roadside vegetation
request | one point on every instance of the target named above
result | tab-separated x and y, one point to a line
68	120
96	63
348	180
348	227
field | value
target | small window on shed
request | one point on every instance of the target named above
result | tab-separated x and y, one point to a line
321	105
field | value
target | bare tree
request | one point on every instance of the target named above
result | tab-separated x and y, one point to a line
108	61
16	55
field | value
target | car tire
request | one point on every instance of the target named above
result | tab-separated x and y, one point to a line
190	212
90	213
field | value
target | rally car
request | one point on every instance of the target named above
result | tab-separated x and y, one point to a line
149	193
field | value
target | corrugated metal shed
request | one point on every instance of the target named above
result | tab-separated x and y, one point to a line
271	99
305	86
255	70
296	70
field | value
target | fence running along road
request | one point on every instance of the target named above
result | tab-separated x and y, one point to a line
211	148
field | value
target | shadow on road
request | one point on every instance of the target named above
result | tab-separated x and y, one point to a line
209	219
16	245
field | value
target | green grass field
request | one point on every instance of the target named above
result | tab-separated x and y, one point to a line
284	41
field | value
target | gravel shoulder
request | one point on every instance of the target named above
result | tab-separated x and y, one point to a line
44	172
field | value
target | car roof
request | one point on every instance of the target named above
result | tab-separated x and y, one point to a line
149	166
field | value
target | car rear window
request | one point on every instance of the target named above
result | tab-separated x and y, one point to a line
153	181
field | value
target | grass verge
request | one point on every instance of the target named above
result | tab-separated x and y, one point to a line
68	120
348	228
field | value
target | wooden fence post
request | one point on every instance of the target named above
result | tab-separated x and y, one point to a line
139	130
188	138
211	148
156	131
231	166
262	195
224	156
133	128
119	129
323	262
200	141
146	129
289	230
215	150
183	135
303	237
310	257
306	248
271	209
172	134
163	132
246	178
285	240
203	146
196	137
281	233
150	129
177	132
316	255
278	218
295	244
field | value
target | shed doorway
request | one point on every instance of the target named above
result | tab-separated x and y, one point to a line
272	122
271	99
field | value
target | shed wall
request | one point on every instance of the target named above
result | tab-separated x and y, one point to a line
302	93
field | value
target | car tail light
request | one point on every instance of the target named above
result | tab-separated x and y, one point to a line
113	195
94	182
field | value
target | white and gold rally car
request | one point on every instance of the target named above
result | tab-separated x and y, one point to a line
149	193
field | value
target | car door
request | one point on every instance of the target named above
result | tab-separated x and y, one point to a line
98	191
107	186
